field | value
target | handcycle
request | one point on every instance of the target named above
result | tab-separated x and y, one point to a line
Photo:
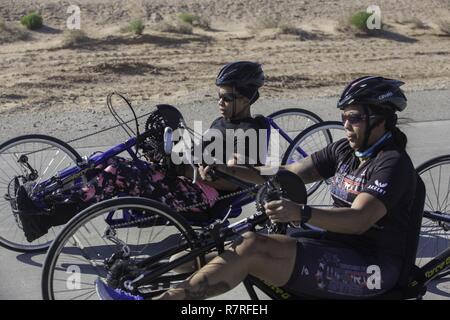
55	166
81	254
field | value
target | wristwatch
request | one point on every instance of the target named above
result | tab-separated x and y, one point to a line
305	212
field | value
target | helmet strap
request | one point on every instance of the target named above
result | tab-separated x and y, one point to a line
366	150
233	106
234	114
368	128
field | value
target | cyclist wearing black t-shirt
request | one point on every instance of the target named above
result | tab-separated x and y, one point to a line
362	251
238	85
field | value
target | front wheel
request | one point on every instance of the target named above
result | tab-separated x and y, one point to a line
99	243
29	158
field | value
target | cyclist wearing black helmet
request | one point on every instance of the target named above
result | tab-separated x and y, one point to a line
238	88
373	183
238	85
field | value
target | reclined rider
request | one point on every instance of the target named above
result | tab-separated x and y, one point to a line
373	184
238	85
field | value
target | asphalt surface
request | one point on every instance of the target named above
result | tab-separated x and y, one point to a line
427	126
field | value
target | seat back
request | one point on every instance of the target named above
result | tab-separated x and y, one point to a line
412	238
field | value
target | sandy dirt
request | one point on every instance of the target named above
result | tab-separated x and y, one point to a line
38	73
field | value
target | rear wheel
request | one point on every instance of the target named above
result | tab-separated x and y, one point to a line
309	141
83	252
292	121
23	159
435	234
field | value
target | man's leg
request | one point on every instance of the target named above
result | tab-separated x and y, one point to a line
270	258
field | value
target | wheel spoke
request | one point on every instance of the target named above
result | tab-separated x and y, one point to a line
43	153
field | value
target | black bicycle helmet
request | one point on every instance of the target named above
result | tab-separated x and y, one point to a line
382	96
375	92
241	74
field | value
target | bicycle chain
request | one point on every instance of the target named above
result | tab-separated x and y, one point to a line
185	209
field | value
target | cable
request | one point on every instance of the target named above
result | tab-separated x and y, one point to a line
117	116
109	128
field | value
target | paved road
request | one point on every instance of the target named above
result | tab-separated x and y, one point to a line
423	106
20	273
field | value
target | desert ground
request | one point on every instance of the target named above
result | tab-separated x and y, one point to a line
306	48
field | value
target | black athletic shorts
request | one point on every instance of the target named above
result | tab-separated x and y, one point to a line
328	270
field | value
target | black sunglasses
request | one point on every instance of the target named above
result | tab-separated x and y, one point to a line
228	97
355	118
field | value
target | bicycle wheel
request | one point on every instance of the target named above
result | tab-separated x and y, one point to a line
82	252
311	140
29	158
434	234
292	121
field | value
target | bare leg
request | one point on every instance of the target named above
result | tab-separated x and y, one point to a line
270	258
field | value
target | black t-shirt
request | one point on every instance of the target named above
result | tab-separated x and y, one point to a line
249	138
389	176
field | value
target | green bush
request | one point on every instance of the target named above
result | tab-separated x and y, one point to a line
359	20
137	26
32	21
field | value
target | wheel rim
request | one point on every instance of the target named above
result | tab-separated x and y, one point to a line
435	236
292	123
82	250
47	157
311	141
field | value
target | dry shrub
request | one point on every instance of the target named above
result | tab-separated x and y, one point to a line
174	27
444	27
9	32
74	38
263	23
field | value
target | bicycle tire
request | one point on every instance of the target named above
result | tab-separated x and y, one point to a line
297	120
325	133
74	230
435	235
9	151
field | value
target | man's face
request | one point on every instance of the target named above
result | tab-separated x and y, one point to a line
228	97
